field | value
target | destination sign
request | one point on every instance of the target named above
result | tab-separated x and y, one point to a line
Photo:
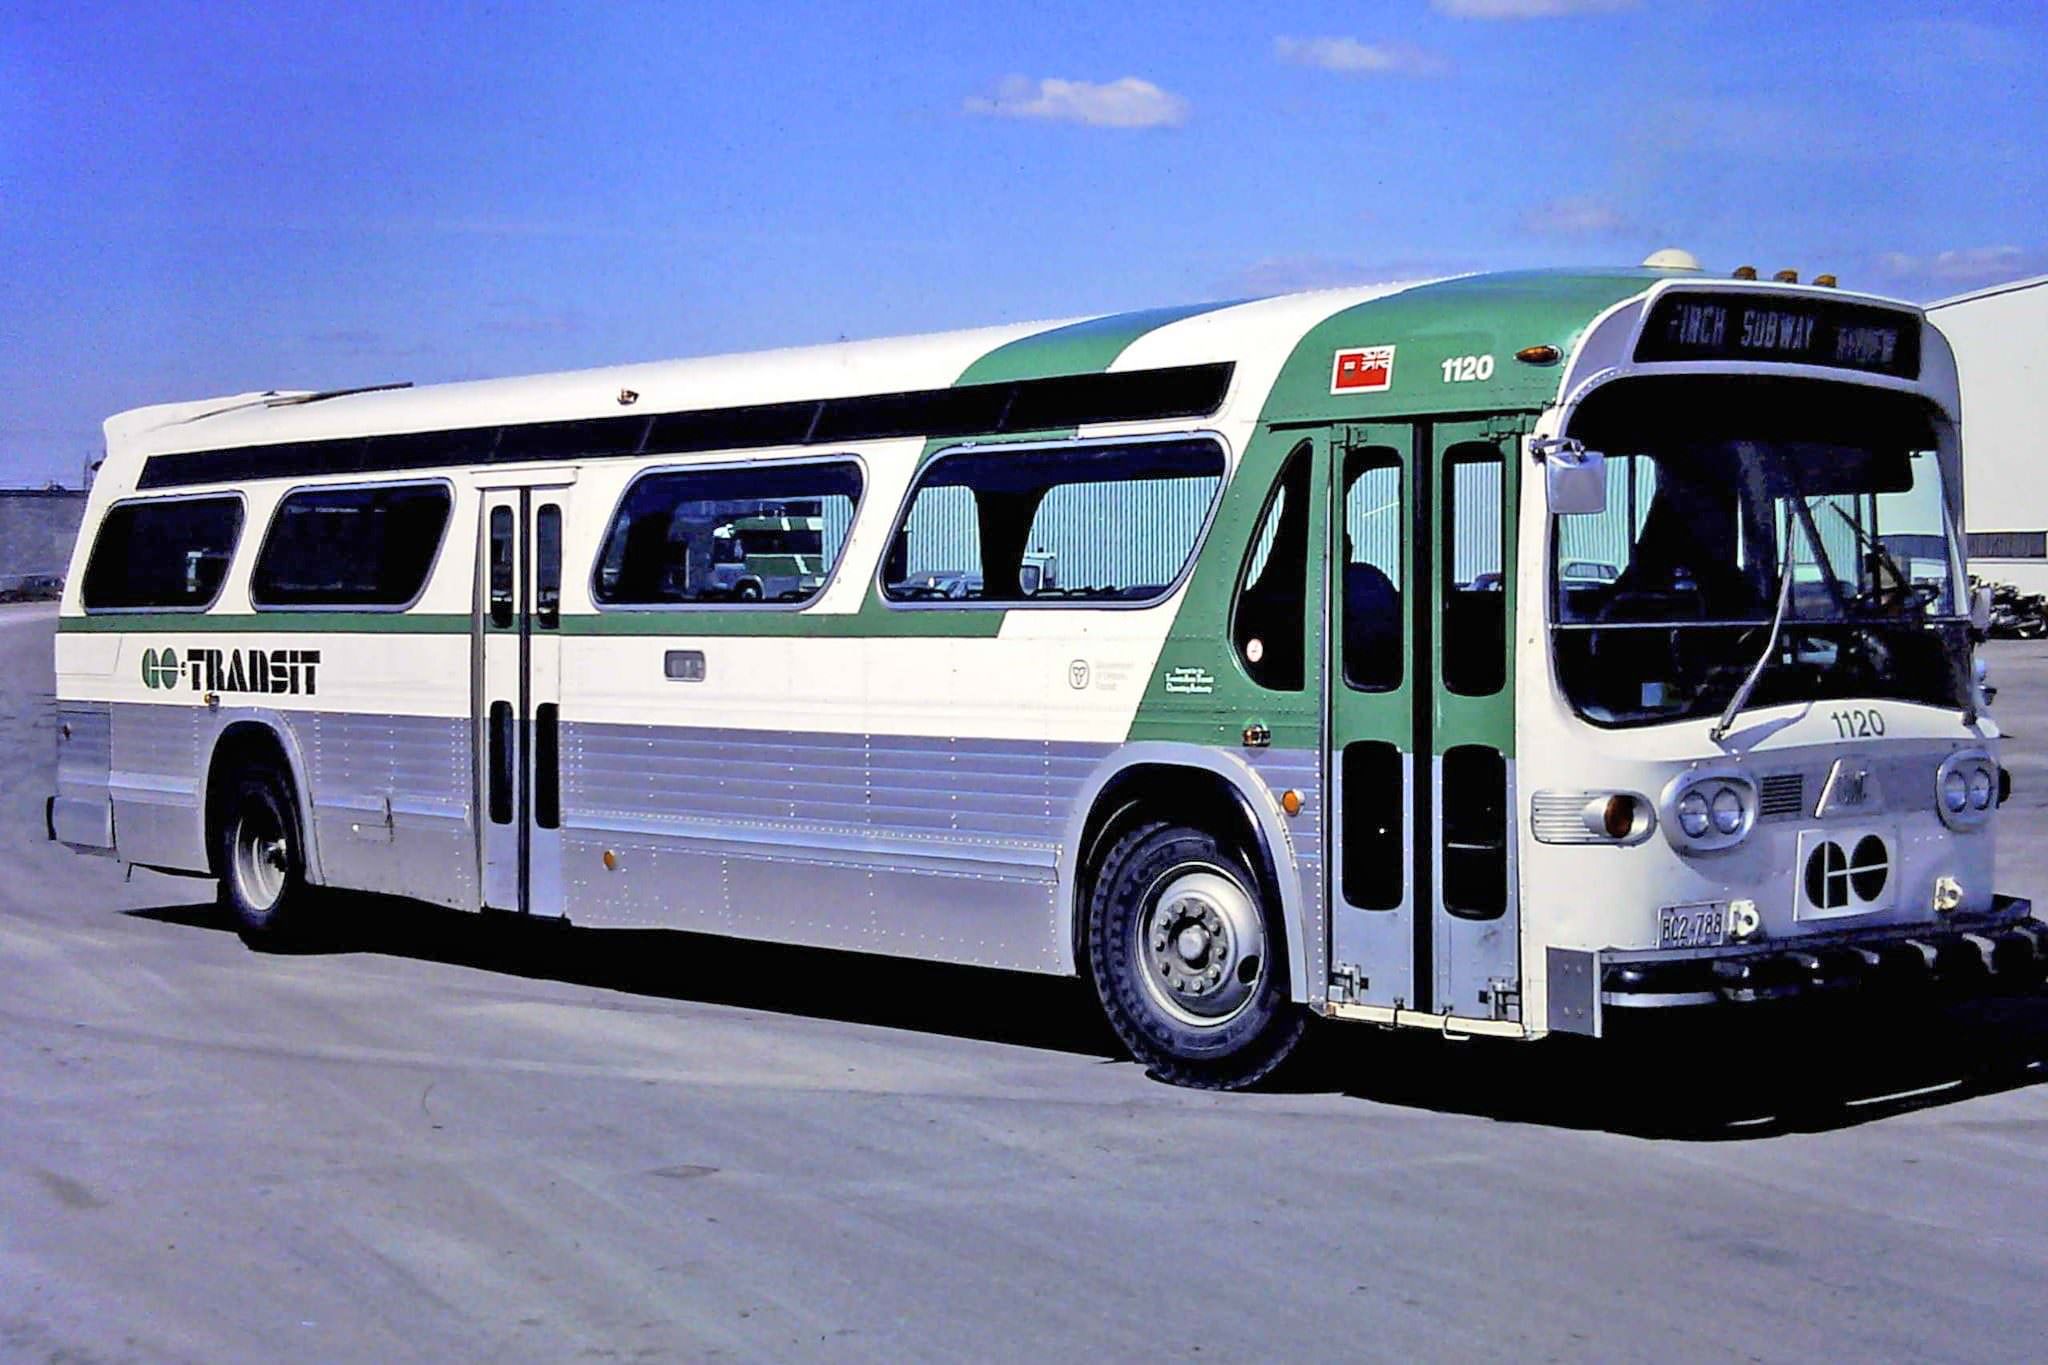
1791	331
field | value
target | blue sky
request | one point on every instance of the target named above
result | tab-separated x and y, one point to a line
201	199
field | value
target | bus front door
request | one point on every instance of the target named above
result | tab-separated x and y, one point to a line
1421	874
517	693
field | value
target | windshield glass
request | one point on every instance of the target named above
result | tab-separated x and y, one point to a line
1662	602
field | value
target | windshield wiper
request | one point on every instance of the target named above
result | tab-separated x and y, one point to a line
1756	672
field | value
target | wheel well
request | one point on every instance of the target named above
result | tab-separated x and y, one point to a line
1190	796
244	744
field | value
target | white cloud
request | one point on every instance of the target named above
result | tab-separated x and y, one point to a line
1351	56
1966	265
1126	103
1524	9
1575	217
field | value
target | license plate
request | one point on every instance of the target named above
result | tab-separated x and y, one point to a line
1692	926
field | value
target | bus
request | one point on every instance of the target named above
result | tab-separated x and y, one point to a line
1241	659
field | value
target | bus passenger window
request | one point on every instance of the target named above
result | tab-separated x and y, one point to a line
1475	619
763	533
358	547
168	553
1373	633
1072	523
1272	594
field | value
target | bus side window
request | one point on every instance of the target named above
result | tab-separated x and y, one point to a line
1075	522
170	552
1272	600
1373	636
761	533
1475	642
547	566
501	567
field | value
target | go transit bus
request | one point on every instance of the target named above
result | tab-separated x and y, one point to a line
1323	713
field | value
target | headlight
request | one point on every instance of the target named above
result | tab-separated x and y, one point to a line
1692	814
1727	807
1965	789
1707	812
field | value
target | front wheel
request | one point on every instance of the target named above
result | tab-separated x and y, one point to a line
260	860
1188	961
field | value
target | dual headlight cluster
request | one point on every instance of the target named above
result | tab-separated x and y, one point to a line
1709	811
1966	788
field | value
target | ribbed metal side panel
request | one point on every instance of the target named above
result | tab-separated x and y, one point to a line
85	748
995	791
1302	769
1559	817
420	762
156	746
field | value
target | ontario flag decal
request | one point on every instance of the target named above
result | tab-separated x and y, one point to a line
1363	369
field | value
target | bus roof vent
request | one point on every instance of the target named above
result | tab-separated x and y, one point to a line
1671	258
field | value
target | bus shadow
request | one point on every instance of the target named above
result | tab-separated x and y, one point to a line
1757	1072
978	1003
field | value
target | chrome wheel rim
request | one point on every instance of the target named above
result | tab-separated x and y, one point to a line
1202	943
261	857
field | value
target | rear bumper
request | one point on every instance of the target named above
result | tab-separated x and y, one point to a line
2000	952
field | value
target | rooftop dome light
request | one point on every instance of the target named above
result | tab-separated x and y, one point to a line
1671	258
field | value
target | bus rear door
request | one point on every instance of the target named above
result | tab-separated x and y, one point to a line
517	694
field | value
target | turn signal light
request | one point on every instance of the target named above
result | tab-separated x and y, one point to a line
1618	817
1290	801
1538	355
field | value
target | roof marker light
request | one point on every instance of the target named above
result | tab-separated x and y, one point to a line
1671	258
1786	277
1825	281
1539	355
1745	272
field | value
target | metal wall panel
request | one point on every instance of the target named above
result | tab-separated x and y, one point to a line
155	783
940	848
1302	769
391	803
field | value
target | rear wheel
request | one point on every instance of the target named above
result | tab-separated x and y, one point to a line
260	859
1188	960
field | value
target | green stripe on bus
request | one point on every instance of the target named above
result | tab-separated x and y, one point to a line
1079	347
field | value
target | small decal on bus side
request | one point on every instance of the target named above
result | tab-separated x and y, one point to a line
1190	681
1362	369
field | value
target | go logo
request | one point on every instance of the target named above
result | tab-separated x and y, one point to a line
160	668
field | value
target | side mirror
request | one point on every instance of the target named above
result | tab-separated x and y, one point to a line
1980	612
1574	478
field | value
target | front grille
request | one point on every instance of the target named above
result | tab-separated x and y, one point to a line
1781	797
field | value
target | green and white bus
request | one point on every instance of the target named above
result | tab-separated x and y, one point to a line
1495	655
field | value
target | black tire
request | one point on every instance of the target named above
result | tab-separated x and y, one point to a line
748	592
1189	960
259	856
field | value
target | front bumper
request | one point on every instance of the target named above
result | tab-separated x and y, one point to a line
2000	952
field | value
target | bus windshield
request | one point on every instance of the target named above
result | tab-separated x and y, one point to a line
1662	602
